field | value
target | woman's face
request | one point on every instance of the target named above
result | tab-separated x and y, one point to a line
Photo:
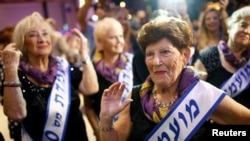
37	41
113	41
165	62
240	33
212	21
122	17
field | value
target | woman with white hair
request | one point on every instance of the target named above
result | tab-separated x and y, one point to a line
42	91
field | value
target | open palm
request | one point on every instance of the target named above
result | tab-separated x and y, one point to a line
111	100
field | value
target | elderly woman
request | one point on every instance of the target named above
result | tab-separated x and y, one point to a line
111	65
41	91
122	15
170	103
226	65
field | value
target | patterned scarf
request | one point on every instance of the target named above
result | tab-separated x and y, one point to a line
110	74
47	77
154	113
229	56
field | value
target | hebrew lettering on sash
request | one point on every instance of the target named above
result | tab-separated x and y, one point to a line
196	110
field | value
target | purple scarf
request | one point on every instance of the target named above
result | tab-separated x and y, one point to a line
110	74
47	77
229	56
149	107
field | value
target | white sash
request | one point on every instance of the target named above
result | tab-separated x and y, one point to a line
58	106
238	82
126	77
188	114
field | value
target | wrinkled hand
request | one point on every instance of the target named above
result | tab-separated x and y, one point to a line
110	103
84	49
11	56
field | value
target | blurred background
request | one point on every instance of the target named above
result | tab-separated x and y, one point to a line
67	14
65	11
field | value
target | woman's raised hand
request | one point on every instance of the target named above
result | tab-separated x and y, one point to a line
111	100
84	49
11	56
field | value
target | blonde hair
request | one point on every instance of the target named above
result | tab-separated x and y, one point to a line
24	25
203	31
102	28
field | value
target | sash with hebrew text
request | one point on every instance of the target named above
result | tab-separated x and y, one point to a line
188	113
238	82
59	104
126	77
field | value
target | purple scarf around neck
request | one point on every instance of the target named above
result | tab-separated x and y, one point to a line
229	56
47	77
110	74
187	79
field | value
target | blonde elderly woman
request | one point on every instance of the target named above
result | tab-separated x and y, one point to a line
172	103
122	15
41	91
111	65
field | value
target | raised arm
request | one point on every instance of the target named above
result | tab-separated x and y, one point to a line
82	14
111	106
223	9
14	104
89	83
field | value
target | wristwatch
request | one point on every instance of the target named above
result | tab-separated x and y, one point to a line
86	61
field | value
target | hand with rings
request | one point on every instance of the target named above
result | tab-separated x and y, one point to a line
11	56
110	104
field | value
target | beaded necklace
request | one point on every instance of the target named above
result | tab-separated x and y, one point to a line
164	105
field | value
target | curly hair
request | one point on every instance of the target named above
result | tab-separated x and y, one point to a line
173	29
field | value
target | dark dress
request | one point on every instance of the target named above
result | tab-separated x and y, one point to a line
217	74
36	99
96	98
142	126
140	70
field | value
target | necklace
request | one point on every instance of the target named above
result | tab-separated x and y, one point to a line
164	105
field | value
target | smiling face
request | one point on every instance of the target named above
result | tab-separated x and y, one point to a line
113	40
212	21
239	34
37	41
165	62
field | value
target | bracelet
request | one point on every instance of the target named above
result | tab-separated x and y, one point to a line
87	60
12	84
105	129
